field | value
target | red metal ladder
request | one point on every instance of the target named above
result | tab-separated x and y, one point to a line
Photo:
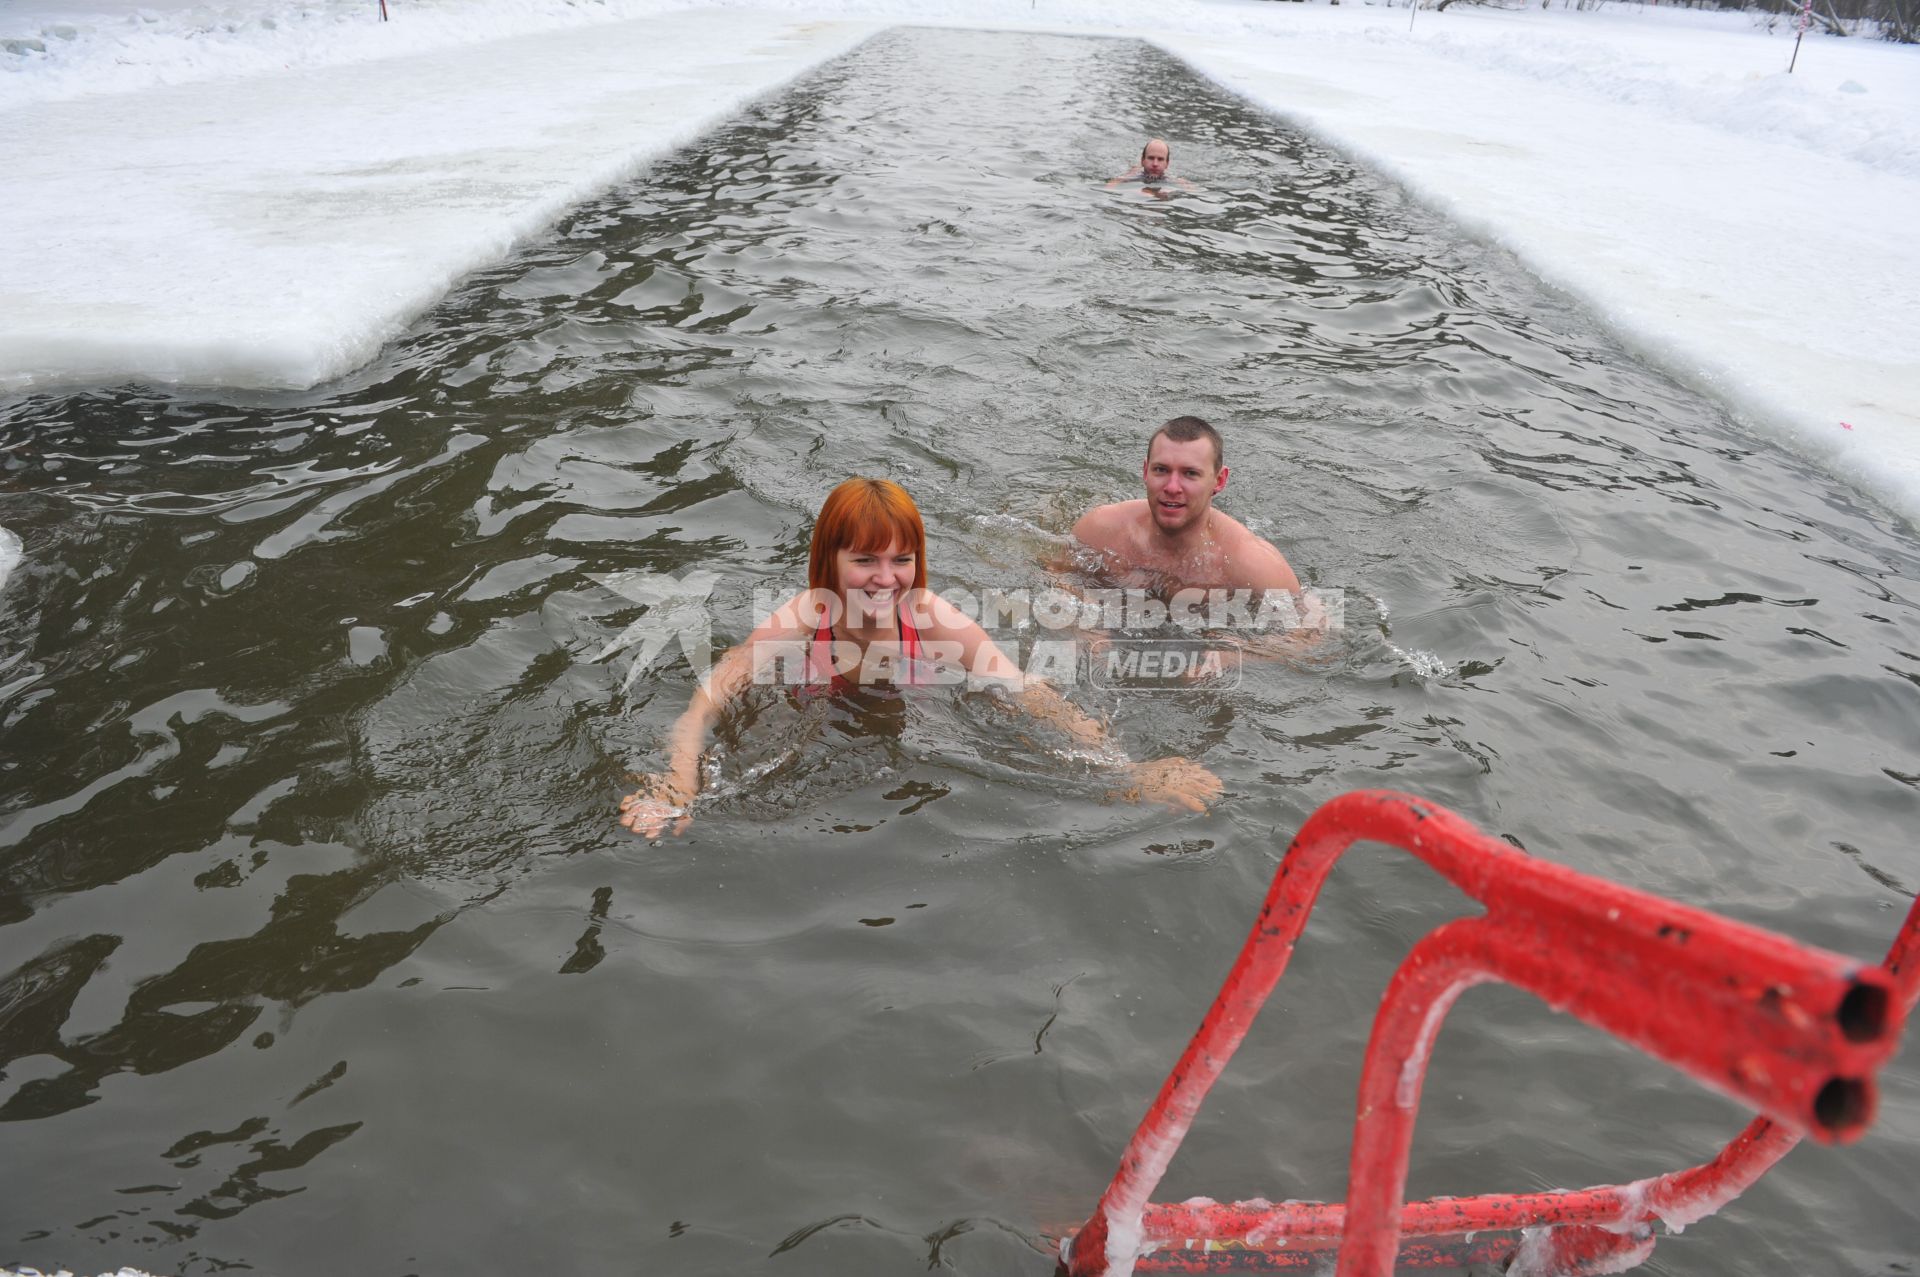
1794	1032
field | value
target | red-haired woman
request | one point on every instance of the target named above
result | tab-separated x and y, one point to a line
867	616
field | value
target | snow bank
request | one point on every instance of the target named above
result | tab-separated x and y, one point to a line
261	194
35	1272
276	230
11	552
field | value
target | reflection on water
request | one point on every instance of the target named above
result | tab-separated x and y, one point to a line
318	941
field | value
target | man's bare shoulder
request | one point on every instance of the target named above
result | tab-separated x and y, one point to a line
1106	527
1257	561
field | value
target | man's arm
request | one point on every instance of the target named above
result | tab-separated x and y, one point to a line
1065	559
1267	569
1108	531
1301	644
1264	570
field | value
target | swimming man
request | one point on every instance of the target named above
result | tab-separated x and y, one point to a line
1174	539
1152	168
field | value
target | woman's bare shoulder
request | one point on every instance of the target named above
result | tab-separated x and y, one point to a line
798	617
935	616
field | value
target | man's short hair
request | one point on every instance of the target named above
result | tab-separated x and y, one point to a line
1186	430
1162	141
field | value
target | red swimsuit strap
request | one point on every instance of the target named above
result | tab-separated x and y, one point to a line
909	637
909	645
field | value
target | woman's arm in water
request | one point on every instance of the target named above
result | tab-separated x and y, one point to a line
663	799
1177	782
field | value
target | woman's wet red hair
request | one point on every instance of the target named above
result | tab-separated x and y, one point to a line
866	515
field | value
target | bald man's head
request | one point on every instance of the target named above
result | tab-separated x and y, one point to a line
1153	159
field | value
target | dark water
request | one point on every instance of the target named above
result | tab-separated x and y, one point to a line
319	947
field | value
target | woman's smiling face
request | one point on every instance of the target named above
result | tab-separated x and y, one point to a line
872	581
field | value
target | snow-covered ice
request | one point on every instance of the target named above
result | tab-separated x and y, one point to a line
62	1272
275	228
9	555
260	193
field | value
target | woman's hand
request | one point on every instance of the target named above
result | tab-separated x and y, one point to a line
659	802
1177	782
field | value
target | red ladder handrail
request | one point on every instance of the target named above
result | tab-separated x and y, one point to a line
1791	1030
